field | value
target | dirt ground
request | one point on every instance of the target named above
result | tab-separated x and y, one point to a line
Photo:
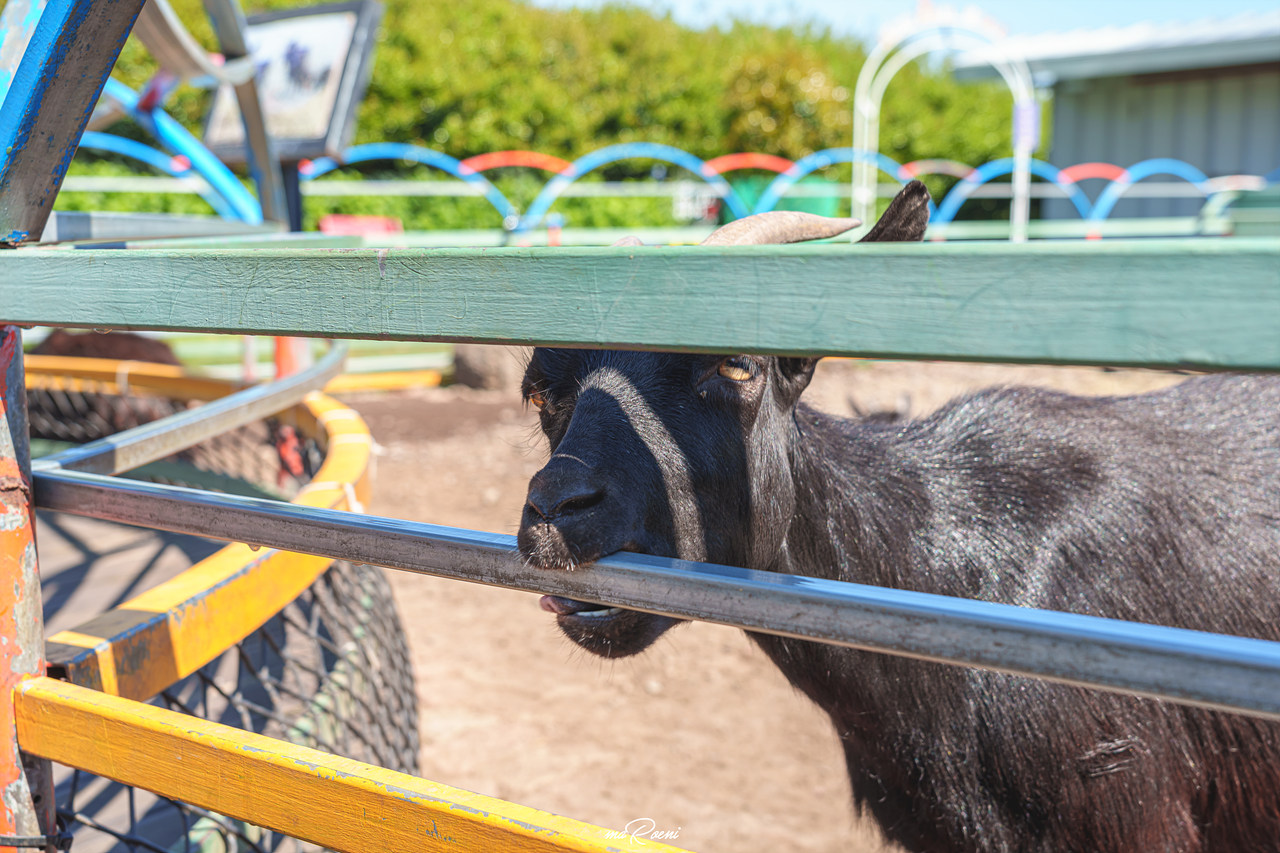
699	735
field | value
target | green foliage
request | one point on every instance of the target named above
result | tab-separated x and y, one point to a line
488	75
109	166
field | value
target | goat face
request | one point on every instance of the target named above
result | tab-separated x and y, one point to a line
673	455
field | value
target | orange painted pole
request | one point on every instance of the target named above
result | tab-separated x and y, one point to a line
26	790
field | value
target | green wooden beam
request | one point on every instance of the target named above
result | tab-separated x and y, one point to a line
1203	303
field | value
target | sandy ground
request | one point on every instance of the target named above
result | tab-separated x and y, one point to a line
699	736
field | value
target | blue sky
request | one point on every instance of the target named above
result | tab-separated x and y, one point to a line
863	18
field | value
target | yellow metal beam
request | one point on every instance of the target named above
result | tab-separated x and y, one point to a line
112	376
391	380
335	802
173	629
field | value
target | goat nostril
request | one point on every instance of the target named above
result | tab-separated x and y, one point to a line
579	502
533	506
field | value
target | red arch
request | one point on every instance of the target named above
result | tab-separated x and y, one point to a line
1082	171
916	168
730	162
531	159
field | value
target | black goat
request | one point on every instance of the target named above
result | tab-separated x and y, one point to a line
1161	508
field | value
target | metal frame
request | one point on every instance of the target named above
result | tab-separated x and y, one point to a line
158	439
48	103
166	633
1190	667
173	629
353	77
26	785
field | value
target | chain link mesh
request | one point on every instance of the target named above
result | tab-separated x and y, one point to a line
330	671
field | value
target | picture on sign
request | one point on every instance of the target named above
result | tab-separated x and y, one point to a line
312	69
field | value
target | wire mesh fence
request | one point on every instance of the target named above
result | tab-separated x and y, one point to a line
330	671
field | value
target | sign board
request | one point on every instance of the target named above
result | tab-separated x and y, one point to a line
313	66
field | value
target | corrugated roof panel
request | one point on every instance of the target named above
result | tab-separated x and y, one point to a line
1143	48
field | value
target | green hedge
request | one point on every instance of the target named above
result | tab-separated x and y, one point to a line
488	75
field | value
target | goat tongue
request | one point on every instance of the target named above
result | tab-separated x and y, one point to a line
566	606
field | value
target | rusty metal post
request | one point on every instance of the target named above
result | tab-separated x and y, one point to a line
26	790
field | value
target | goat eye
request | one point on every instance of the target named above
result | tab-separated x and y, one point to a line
738	368
538	399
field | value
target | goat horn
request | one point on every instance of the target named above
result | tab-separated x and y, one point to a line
779	226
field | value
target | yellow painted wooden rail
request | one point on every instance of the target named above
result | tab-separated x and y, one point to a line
335	802
173	629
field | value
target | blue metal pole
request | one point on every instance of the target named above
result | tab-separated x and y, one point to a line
50	98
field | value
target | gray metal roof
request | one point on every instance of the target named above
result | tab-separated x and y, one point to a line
1144	48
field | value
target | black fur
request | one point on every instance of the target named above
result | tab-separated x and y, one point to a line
1161	508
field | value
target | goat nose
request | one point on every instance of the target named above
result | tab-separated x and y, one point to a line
552	496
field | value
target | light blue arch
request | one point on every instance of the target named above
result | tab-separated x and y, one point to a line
1141	171
98	141
175	138
960	193
417	154
628	151
820	160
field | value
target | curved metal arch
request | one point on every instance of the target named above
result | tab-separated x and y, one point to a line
417	154
1085	171
960	193
929	36
748	160
934	166
1141	171
96	140
820	160
528	159
628	151
175	137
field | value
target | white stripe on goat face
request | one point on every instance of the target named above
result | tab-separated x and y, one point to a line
652	433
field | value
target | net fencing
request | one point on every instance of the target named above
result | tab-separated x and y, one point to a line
330	671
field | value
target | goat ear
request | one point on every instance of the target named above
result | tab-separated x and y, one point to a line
905	219
628	241
793	375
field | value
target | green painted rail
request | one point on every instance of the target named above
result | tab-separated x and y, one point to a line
1202	303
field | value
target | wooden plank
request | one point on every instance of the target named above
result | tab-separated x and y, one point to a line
1205	303
166	633
334	802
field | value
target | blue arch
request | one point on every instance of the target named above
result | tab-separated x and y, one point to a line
1141	171
174	137
417	154
627	151
820	160
158	160
960	192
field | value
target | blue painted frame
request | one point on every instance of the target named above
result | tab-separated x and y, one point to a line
48	104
